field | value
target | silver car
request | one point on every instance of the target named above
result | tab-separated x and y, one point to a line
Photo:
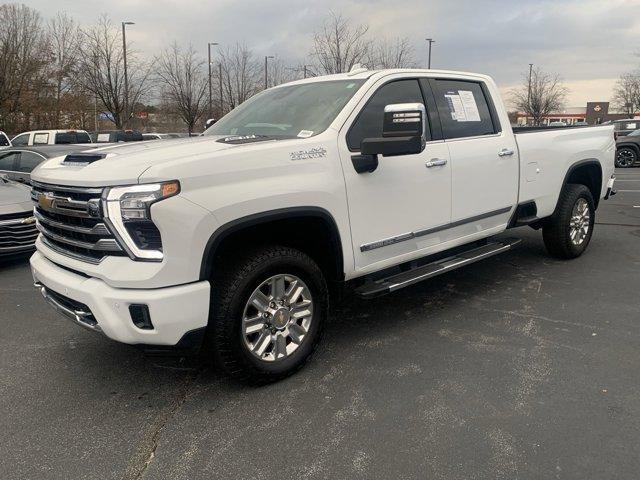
18	230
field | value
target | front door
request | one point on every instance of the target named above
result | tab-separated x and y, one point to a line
392	209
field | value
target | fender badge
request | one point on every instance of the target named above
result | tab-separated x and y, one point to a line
313	153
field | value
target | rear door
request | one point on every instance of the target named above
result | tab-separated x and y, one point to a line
392	209
484	159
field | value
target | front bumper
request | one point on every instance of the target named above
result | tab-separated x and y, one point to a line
90	302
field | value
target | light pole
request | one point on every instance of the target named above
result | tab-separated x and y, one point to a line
431	42
209	45
529	91
266	70
220	80
126	78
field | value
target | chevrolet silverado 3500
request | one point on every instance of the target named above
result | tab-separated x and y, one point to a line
376	179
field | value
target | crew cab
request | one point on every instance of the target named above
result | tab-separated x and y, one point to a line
50	137
371	180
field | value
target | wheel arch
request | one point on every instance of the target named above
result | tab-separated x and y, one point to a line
323	231
587	172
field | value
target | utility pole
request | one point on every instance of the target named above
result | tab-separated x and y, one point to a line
266	71
431	42
126	77
210	100
529	91
220	80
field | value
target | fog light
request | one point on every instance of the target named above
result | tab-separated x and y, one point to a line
141	317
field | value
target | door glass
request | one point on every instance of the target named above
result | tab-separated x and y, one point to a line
21	140
7	160
4	141
463	109
369	121
28	161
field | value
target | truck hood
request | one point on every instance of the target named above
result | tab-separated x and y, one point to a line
14	198
124	163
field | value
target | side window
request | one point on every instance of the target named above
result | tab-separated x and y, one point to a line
7	160
368	124
21	140
463	109
40	138
28	161
4	141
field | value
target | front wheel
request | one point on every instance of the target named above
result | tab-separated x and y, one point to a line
626	157
568	231
268	310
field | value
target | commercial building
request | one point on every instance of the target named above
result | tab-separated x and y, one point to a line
594	113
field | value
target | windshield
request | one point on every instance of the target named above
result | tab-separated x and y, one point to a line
635	133
292	111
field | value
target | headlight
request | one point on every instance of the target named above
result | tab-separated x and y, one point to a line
128	214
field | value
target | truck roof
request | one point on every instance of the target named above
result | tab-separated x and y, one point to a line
364	74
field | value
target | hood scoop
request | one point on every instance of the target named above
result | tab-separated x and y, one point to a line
82	159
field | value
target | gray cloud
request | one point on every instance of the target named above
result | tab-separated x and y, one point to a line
578	39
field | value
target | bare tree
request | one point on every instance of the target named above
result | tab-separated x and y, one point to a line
241	75
546	94
63	40
391	54
279	73
101	71
21	57
338	45
626	93
183	83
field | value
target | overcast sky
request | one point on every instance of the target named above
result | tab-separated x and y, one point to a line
589	43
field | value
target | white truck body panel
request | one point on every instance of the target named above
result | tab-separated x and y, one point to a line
470	197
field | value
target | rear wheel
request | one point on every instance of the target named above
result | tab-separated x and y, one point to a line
568	231
626	157
268	311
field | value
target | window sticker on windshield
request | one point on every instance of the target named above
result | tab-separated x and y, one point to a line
305	133
463	106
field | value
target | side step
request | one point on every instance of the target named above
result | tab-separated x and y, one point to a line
410	277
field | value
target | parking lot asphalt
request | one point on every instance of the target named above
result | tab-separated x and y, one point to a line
520	366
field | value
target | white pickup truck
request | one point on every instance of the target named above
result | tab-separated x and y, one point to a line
372	179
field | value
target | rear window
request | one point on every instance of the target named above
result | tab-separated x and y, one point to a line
463	109
40	138
72	137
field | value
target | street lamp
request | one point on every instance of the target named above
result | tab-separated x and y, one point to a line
431	41
126	78
209	45
529	92
266	70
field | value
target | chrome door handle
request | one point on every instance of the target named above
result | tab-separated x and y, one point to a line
505	152
435	162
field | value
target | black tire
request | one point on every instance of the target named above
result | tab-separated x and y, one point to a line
626	157
232	288
557	230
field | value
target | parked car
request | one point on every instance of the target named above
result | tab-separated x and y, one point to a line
160	136
18	230
581	123
51	137
628	150
116	136
18	162
557	124
625	127
4	140
372	180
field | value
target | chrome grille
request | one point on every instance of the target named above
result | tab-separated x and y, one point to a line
17	232
70	220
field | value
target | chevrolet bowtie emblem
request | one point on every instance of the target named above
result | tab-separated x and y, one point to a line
45	201
28	221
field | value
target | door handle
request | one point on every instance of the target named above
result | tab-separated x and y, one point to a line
435	162
505	152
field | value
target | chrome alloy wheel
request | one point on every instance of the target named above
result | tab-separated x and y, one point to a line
580	222
277	317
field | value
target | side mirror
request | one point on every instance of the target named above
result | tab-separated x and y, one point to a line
403	131
209	122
